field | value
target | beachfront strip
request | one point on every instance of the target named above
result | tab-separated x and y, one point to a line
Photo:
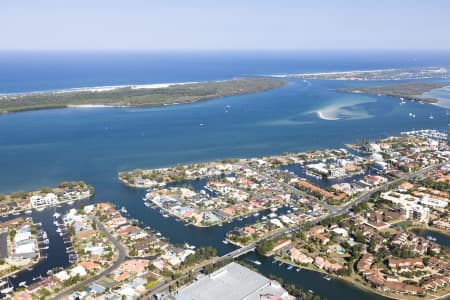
66	192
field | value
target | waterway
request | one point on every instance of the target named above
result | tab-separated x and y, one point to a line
43	148
441	239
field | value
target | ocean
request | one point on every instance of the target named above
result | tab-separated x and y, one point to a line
43	148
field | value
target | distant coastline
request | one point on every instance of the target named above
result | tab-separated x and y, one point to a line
159	94
405	91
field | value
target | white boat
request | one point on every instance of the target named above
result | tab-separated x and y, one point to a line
29	212
256	262
328	278
56	215
70	202
123	210
256	214
274	209
41	208
7	289
147	204
16	213
273	215
431	116
23	284
225	242
264	218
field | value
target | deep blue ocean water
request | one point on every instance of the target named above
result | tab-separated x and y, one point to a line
43	148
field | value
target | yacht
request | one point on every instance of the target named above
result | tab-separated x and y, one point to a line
29	212
328	278
256	262
431	116
56	215
256	214
225	242
123	210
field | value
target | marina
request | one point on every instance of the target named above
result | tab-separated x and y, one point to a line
172	136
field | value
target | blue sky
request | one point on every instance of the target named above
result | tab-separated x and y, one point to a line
230	24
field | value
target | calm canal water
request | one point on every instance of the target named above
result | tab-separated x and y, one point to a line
43	148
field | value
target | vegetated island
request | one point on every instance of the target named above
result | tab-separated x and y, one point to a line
137	95
408	91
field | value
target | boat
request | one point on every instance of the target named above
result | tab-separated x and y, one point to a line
280	264
123	210
23	284
273	215
431	116
256	262
29	212
328	278
7	290
147	204
16	213
264	218
56	215
274	209
431	238
41	208
225	242
297	270
256	214
289	267
311	291
70	202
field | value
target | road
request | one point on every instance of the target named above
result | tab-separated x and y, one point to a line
163	286
120	259
333	213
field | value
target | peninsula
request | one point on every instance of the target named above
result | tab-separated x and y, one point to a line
137	95
375	75
408	91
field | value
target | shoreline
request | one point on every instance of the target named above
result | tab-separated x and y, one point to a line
99	88
146	95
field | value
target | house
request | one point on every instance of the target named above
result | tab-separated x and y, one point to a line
299	257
